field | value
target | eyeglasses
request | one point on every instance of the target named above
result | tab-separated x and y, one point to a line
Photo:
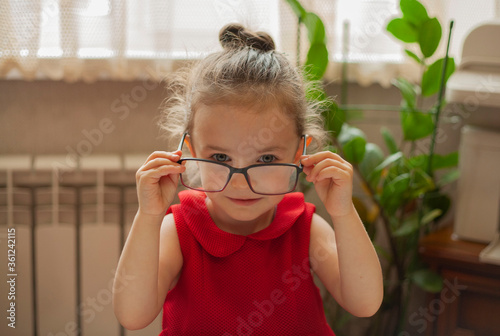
264	179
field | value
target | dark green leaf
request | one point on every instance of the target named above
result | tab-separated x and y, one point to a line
354	150
416	125
334	117
429	36
444	161
315	28
437	200
431	79
414	12
339	118
315	93
407	91
387	162
428	280
316	61
419	161
297	8
372	158
353	143
414	56
391	195
389	141
438	161
420	183
403	30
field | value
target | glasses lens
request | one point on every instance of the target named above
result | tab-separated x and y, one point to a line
267	179
205	176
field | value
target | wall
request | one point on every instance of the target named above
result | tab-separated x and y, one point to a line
106	117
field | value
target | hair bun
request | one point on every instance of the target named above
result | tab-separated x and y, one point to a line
234	36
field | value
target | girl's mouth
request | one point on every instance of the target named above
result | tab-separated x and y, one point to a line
244	201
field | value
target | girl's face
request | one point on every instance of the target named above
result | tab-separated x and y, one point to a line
241	136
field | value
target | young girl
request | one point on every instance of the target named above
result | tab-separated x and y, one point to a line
237	255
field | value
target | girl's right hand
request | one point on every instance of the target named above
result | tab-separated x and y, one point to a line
157	182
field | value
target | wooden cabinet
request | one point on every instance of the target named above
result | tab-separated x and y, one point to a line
469	304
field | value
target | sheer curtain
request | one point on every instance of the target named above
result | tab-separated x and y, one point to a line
130	39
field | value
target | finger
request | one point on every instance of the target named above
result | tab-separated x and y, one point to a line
335	173
174	156
316	170
155	163
309	160
158	172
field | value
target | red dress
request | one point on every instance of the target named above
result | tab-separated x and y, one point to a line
233	285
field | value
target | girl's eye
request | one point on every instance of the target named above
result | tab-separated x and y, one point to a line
268	158
219	157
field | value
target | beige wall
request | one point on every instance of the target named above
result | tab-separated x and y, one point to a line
47	117
106	117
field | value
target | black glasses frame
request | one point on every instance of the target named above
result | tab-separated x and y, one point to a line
244	170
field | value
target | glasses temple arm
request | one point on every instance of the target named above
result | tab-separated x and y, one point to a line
182	142
304	148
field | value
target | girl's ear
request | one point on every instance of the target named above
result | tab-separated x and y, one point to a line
190	146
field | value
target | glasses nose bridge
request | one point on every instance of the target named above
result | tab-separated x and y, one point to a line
242	171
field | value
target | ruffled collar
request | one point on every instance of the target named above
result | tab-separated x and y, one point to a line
220	243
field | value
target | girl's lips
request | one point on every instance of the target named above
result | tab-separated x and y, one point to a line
244	202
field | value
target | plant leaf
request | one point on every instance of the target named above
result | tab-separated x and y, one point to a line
407	91
416	125
431	215
449	177
315	28
297	8
437	200
388	161
316	61
429	36
445	161
438	161
414	56
353	143
428	280
372	158
334	117
402	30
431	79
389	140
414	12
392	192
420	183
408	227
354	150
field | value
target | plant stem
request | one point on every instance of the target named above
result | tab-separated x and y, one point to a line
345	54
299	24
439	103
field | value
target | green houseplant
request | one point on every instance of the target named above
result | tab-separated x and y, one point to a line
403	185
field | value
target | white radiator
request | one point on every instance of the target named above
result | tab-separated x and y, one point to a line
67	224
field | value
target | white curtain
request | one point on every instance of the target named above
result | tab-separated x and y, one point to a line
131	39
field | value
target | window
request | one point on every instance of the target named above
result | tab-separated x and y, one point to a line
93	39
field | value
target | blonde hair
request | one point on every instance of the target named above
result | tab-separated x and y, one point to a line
246	71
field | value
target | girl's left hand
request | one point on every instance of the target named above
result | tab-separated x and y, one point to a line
332	176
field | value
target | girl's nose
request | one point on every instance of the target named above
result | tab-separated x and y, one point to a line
238	181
